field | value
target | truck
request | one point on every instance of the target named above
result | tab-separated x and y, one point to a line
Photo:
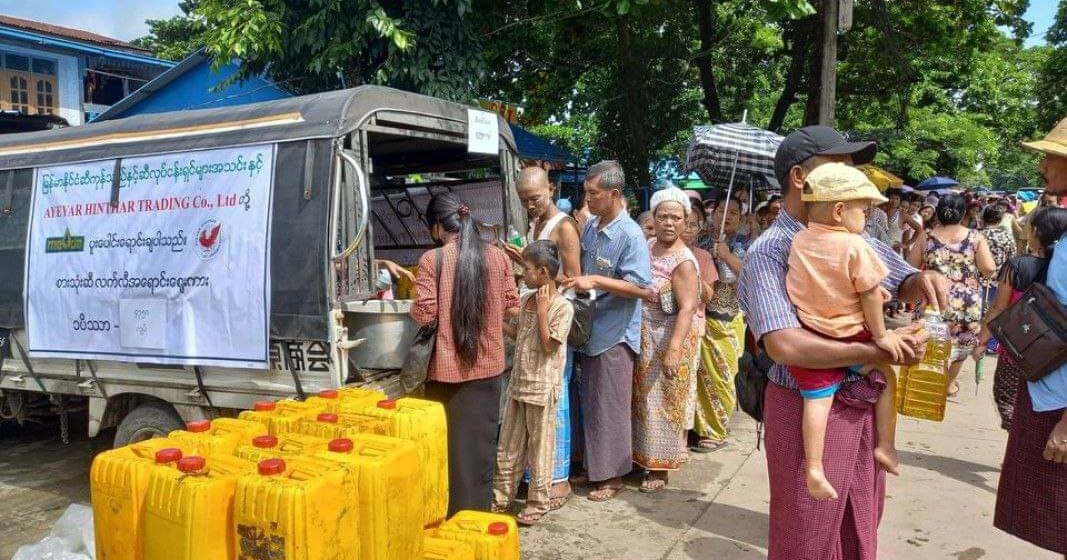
170	267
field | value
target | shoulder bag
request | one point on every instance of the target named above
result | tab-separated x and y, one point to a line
1033	331
417	362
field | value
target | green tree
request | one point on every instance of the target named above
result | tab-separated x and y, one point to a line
428	46
177	37
1052	87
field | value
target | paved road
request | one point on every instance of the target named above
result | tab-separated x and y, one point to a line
716	508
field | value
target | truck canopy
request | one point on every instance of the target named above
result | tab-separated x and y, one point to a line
304	128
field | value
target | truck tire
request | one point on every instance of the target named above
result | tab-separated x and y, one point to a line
149	420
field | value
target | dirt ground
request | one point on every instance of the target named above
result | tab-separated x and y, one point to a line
715	508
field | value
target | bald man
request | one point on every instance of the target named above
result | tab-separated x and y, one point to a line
548	222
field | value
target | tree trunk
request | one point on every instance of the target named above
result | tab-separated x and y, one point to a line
636	153
828	66
706	26
811	109
799	33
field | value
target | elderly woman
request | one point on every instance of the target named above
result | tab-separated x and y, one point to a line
662	407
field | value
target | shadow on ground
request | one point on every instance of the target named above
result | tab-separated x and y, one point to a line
963	471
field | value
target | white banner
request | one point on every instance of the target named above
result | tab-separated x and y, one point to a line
177	273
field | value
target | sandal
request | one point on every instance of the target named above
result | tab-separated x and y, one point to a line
529	517
558	502
606	493
499	508
707	445
653	485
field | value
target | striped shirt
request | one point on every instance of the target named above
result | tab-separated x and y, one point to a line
762	291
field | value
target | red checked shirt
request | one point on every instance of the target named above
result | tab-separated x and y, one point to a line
500	295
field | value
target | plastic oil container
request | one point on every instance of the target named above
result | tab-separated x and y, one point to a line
327	426
493	536
285	446
365	424
268	414
444	549
295	509
422	422
118	483
216	437
922	390
189	509
304	409
360	394
386	477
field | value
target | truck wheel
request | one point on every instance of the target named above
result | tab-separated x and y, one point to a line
149	420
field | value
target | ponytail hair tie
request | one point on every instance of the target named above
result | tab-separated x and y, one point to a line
463	210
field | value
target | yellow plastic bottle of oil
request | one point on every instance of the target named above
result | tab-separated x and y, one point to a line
385	476
362	394
189	509
422	422
305	409
493	536
268	414
297	508
216	437
264	447
922	390
327	426
118	480
444	549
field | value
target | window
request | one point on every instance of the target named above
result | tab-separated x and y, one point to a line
19	94
45	100
16	62
46	67
28	85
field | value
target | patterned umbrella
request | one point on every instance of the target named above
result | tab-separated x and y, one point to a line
733	153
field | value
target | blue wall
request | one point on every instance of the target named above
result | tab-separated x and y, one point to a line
193	90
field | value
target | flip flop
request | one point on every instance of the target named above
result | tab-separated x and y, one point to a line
528	519
614	491
708	445
559	501
648	488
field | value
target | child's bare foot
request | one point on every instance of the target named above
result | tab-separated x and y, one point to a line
819	487
887	457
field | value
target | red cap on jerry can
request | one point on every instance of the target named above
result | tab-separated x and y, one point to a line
265	406
198	426
328	394
264	442
191	464
387	404
342	445
498	528
168	455
328	417
270	467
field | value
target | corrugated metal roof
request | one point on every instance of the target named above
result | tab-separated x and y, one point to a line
70	33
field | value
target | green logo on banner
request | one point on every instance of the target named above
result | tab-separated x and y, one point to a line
66	244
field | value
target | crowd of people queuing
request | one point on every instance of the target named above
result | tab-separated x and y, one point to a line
806	273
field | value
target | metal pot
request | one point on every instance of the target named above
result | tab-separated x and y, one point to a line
388	329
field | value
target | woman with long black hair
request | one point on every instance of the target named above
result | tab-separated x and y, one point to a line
469	302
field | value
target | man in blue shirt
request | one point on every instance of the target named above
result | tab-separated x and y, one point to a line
615	263
1032	493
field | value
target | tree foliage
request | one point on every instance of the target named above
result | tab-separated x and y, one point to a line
945	86
1052	86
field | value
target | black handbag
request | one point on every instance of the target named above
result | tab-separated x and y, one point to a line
751	382
1033	331
582	323
417	362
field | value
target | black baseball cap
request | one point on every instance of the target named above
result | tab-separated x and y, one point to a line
817	140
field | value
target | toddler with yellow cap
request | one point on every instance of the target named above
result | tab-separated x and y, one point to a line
834	280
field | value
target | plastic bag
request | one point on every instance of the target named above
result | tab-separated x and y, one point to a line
72	538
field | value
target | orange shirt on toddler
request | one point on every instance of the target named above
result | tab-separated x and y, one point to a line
829	267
